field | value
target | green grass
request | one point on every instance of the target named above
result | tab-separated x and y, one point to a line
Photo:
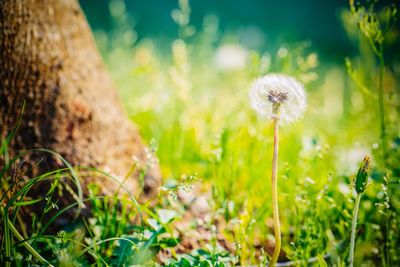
200	119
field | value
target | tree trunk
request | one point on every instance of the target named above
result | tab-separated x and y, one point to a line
48	59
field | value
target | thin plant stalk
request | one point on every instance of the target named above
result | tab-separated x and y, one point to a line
274	182
353	229
26	244
381	104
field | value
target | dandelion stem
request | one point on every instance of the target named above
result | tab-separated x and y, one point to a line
353	229
277	228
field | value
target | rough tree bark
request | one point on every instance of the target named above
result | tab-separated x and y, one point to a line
48	58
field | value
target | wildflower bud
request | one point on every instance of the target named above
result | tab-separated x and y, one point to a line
362	176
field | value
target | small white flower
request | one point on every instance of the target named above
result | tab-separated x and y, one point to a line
278	96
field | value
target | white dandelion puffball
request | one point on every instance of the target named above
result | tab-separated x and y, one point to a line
278	96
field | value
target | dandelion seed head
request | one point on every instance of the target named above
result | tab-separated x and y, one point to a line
278	96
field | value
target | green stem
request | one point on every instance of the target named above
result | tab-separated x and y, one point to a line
20	238
353	229
7	238
277	228
387	243
381	106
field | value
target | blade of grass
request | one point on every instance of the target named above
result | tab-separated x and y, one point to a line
4	145
20	238
92	236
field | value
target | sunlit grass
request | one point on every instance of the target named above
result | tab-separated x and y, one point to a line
196	110
200	117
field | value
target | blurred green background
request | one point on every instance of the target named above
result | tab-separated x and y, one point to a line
184	70
257	24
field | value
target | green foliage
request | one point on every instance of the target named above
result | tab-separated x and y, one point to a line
198	111
109	237
195	106
203	258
